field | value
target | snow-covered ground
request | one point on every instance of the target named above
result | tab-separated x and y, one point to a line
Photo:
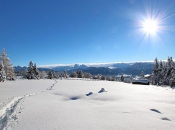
80	105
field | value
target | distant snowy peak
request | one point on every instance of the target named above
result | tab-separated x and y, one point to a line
119	67
81	65
112	67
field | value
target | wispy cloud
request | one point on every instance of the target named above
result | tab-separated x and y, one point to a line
168	17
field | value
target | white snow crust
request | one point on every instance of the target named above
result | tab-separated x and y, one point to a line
81	105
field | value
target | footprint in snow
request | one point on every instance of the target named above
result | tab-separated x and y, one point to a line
102	90
90	93
166	119
156	111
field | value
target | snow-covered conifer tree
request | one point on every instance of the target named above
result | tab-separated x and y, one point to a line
122	78
161	64
155	72
80	74
32	71
8	67
130	79
172	62
65	75
169	70
164	74
108	78
161	73
156	65
103	77
36	71
50	75
142	74
2	73
172	80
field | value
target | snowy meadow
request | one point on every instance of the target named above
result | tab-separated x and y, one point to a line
87	65
84	105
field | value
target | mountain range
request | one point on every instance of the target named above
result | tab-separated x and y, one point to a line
104	69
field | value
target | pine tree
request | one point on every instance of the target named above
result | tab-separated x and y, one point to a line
8	67
172	80
122	78
80	74
2	73
142	74
36	71
130	79
164	74
32	71
50	75
108	78
169	63
172	62
155	72
169	70
65	75
103	77
161	65
161	73
156	65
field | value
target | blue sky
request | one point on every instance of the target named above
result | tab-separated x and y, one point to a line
86	31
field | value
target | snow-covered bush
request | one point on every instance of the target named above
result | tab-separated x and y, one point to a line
73	75
43	75
113	78
87	75
103	77
99	76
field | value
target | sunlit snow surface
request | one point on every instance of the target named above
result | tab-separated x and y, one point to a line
80	105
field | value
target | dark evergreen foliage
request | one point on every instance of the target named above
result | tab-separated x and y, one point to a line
32	71
80	74
50	74
164	74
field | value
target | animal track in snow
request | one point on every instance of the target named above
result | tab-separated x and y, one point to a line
9	109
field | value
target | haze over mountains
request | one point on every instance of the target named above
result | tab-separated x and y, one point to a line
105	68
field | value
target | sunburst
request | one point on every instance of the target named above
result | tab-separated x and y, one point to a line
150	26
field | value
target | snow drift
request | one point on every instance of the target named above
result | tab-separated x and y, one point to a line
77	104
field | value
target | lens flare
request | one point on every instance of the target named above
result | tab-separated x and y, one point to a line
150	26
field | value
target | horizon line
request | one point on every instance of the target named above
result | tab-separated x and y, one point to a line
90	64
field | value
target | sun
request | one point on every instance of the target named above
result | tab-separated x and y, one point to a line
150	26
